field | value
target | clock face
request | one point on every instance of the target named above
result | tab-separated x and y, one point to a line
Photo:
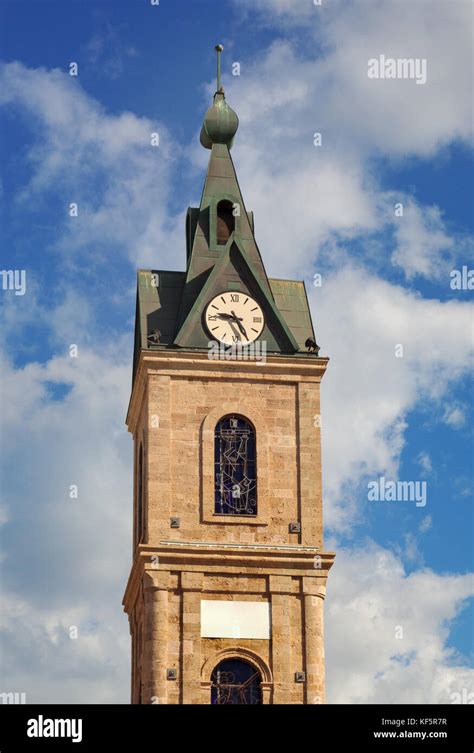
234	317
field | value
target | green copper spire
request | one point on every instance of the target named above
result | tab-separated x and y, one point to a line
220	122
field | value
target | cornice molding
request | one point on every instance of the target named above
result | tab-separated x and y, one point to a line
225	557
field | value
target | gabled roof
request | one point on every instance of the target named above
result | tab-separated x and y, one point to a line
157	308
292	302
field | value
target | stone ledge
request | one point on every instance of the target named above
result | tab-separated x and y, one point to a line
225	558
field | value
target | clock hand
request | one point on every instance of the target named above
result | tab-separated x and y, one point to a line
240	326
243	330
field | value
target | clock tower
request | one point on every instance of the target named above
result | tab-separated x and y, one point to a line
227	584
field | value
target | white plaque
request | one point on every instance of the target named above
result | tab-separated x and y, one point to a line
235	619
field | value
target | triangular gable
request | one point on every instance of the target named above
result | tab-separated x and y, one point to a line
234	271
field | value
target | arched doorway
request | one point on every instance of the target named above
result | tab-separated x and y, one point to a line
235	681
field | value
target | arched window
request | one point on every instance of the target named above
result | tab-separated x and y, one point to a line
237	682
140	516
235	489
225	222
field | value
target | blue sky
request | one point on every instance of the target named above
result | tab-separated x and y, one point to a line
328	209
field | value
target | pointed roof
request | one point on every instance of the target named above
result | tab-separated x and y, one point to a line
221	184
174	306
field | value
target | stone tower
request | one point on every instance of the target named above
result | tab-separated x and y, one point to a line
226	590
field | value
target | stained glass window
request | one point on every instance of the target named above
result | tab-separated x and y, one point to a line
235	467
235	682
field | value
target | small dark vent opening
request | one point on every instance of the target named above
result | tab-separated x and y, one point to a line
225	222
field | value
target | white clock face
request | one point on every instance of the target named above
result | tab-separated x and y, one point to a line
234	317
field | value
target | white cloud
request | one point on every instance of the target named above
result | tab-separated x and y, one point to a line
370	602
81	440
108	52
40	659
305	196
66	560
454	415
410	551
424	461
423	245
425	524
105	163
396	117
367	391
